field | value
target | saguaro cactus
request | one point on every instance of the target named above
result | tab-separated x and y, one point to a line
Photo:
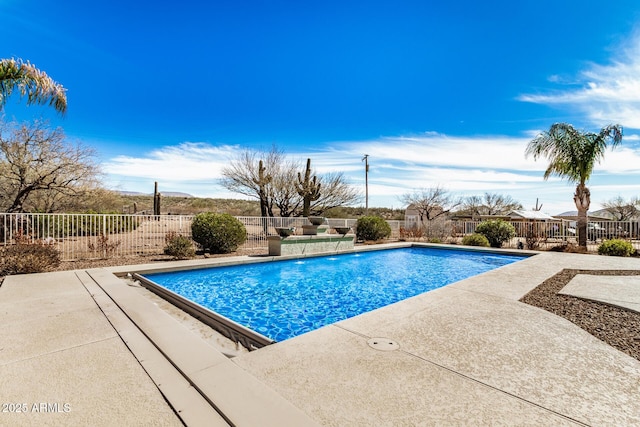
308	188
156	200
261	181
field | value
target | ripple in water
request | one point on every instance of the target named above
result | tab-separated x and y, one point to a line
284	299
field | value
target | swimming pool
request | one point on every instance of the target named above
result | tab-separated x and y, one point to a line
284	299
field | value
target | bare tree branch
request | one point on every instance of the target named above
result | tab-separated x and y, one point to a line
279	193
430	203
35	159
489	204
621	209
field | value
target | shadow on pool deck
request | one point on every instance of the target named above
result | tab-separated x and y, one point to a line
468	353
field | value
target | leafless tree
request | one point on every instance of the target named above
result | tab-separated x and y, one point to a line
335	192
430	203
38	163
621	209
489	204
252	174
270	177
285	197
472	206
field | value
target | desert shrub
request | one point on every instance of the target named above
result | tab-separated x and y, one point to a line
533	237
372	228
435	240
561	247
496	231
475	239
103	245
178	246
413	232
569	248
24	258
616	247
219	233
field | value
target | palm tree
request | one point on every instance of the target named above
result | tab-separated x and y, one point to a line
572	155
38	87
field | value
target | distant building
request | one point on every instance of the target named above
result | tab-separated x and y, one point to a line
412	216
515	215
573	216
530	216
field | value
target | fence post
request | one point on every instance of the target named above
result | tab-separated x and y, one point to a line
104	235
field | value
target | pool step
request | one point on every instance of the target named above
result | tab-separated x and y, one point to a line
238	397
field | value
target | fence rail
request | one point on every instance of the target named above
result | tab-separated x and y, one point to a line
92	236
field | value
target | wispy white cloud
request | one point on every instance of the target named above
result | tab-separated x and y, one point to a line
604	93
398	165
622	160
182	163
433	149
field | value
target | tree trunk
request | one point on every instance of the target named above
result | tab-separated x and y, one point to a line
18	201
582	199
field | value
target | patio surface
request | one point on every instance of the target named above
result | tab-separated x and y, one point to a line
84	348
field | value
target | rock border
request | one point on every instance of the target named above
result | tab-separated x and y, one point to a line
616	326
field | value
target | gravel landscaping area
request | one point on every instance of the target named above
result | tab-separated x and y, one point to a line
132	260
616	326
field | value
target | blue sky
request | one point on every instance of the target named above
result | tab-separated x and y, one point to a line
436	94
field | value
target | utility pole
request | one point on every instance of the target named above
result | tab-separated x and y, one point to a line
365	159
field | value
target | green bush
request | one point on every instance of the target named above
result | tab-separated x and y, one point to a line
24	258
219	233
372	228
475	239
178	246
496	231
615	247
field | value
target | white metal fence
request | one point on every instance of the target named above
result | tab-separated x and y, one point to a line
89	236
531	234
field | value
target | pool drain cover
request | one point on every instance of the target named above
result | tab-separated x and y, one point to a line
383	344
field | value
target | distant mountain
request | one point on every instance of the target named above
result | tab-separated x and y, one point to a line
167	194
175	194
601	214
131	193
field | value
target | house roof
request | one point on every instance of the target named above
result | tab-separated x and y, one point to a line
537	215
574	215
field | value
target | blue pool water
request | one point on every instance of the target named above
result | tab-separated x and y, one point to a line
284	299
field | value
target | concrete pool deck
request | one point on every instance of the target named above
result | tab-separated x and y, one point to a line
83	348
